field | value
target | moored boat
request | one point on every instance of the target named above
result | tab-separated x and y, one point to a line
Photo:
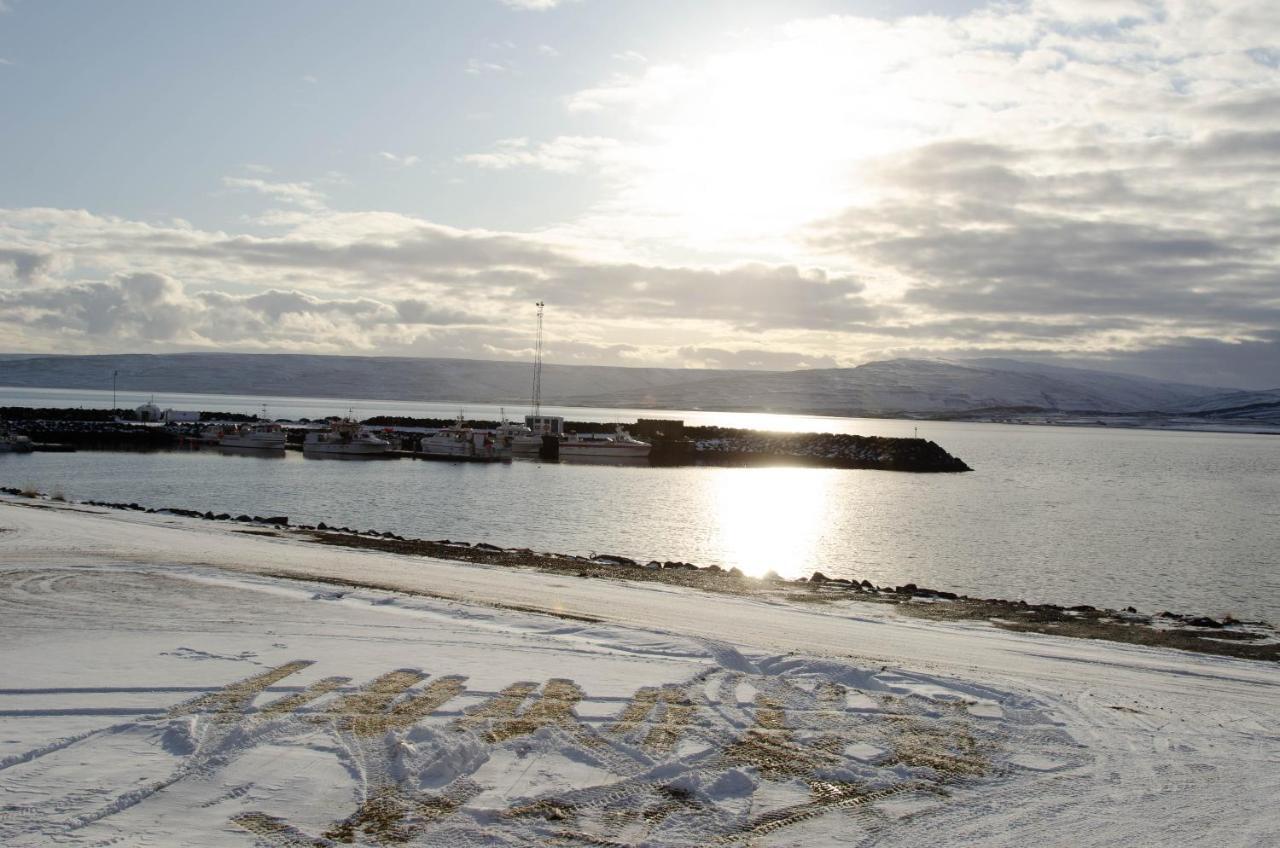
527	440
344	438
620	444
14	442
254	437
463	444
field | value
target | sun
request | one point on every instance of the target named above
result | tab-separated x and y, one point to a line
763	140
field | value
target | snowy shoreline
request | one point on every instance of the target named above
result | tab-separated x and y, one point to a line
174	680
1258	640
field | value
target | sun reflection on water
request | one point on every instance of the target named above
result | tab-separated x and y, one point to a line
772	519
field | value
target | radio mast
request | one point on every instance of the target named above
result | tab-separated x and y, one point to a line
537	366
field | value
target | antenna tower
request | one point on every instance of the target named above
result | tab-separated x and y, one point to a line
537	366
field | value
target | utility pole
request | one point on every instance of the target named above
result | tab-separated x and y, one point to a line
114	374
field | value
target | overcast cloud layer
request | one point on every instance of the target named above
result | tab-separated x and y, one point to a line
1095	182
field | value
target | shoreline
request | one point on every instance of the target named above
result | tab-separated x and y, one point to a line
1249	640
177	681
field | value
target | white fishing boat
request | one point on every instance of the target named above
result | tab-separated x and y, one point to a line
344	438
14	443
463	444
254	437
616	445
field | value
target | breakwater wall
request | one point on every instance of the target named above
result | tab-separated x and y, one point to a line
728	446
673	443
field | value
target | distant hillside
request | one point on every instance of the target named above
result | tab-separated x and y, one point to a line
369	377
892	387
922	386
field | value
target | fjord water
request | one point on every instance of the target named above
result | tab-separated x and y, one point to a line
1158	519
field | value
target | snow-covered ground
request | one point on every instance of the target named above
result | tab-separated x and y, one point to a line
171	682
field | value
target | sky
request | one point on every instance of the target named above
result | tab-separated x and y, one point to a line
733	184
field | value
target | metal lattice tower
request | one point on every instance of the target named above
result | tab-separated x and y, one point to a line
537	365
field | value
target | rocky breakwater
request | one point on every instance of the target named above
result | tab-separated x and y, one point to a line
728	446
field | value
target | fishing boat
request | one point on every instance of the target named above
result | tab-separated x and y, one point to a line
616	445
344	438
527	439
14	443
463	444
254	437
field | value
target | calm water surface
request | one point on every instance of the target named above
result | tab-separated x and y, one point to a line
1185	521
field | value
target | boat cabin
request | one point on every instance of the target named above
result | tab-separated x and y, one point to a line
545	424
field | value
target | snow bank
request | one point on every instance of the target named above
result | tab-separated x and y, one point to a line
163	683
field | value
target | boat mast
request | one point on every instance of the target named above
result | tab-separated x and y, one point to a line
537	366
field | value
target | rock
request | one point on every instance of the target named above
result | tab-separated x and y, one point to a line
278	520
222	516
819	577
1203	621
772	576
322	526
1130	609
1083	608
907	589
736	572
653	563
243	517
485	546
613	559
868	585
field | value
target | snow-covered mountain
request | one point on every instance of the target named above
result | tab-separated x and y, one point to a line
927	386
368	377
890	387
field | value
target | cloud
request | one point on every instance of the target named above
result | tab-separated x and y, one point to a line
564	154
25	266
1062	178
143	306
548	51
752	359
380	281
302	194
483	66
406	161
535	5
987	229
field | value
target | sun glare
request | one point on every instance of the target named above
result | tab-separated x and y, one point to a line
766	139
772	519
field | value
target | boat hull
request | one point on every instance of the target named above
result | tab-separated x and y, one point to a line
338	449
252	443
604	450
